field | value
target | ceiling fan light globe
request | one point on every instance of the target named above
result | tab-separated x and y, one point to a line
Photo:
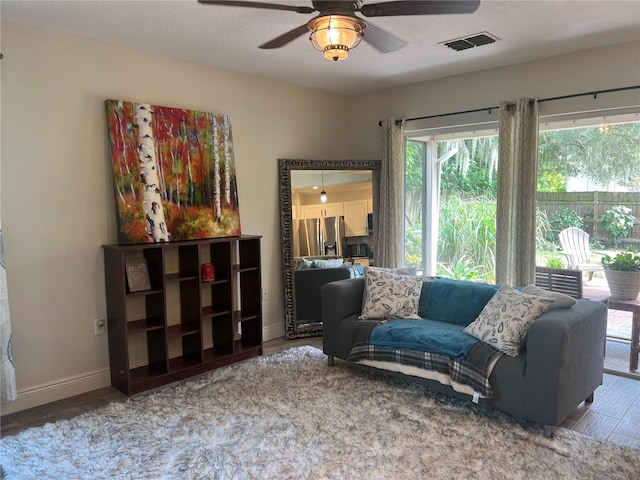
335	35
336	52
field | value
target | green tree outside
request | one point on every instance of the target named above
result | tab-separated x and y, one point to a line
469	188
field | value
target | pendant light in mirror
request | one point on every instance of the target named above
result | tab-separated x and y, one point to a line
323	194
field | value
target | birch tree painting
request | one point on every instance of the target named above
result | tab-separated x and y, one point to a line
173	173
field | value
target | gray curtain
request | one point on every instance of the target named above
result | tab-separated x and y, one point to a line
8	390
516	209
388	203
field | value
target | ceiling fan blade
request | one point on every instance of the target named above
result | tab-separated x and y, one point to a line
266	6
285	37
382	40
428	7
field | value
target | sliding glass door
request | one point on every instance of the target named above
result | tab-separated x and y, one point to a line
588	176
450	206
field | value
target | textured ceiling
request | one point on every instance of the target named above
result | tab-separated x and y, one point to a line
228	37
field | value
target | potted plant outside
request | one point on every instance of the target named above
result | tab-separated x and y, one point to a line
623	274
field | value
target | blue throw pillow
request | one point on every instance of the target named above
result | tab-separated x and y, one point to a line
424	294
333	263
457	301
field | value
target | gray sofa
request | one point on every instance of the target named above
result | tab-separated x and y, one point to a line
560	365
308	283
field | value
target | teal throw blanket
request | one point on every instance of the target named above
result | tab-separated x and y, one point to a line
423	336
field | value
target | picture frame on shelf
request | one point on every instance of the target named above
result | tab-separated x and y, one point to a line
137	275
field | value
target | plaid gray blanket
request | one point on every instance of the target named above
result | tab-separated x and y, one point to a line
474	370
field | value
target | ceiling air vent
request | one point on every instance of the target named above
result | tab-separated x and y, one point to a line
476	40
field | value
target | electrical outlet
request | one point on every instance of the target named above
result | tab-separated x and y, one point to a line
99	326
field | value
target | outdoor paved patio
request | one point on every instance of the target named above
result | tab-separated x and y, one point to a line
618	322
618	330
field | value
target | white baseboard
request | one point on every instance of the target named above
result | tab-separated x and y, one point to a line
71	386
272	332
58	390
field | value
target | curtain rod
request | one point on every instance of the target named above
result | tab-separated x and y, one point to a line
550	99
584	94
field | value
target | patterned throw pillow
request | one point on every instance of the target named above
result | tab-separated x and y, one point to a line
413	271
556	299
505	319
300	263
388	295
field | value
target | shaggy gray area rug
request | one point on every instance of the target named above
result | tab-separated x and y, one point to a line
290	416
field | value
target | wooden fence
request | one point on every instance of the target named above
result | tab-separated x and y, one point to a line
590	206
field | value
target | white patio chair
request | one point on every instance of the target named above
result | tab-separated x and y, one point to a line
575	246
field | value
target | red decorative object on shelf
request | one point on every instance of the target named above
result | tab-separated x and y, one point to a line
208	272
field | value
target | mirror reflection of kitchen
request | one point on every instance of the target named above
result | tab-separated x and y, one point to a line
332	215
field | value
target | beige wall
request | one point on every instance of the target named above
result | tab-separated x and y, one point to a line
57	200
584	71
57	197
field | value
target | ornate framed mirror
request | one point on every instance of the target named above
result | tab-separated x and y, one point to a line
288	168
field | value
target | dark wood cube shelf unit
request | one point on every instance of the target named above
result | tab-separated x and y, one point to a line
182	326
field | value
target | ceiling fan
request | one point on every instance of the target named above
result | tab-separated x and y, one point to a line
337	29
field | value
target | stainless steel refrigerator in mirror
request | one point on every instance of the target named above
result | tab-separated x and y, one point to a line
322	236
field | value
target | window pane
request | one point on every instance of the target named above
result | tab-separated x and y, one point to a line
589	178
599	161
467	225
413	204
462	173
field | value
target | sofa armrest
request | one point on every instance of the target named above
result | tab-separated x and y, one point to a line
564	360
341	305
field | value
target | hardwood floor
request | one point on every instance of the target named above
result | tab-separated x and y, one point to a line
614	415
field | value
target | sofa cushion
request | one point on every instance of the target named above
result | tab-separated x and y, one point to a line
505	319
387	295
457	301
